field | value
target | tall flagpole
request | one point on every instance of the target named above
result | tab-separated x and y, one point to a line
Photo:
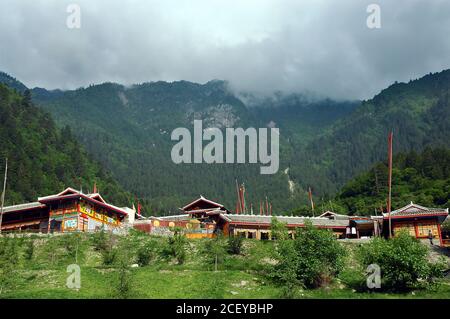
3	195
311	200
390	181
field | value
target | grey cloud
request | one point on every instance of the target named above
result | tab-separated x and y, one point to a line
257	45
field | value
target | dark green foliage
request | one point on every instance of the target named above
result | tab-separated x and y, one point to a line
403	261
175	247
127	129
124	281
214	251
312	259
146	252
109	255
235	244
278	229
323	144
100	240
422	178
29	250
418	113
105	243
9	263
42	159
71	244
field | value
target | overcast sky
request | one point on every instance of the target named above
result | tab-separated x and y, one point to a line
257	45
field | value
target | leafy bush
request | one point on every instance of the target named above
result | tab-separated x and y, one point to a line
29	250
105	244
312	259
124	281
278	229
100	240
403	261
71	244
235	244
175	247
214	251
146	252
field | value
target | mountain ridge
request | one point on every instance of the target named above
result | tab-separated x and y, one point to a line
324	143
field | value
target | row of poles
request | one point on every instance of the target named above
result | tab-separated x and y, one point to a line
265	207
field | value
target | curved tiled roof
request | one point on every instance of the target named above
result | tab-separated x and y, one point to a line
416	210
290	220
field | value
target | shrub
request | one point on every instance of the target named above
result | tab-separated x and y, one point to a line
146	252
177	246
403	261
100	240
107	249
235	244
71	244
29	250
311	260
124	281
124	258
279	230
109	256
214	251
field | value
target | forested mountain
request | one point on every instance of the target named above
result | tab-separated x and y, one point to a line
43	159
128	130
418	112
324	143
423	178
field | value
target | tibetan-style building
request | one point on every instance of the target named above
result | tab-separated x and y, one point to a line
70	210
205	218
419	221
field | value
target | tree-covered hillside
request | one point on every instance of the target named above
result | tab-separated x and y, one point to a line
43	159
128	130
423	178
323	143
418	112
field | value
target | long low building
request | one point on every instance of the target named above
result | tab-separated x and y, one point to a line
69	210
205	218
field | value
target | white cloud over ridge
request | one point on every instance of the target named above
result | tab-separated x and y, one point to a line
257	45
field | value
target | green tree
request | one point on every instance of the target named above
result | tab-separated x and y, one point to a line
312	259
403	261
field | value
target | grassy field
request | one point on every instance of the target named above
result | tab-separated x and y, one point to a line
239	276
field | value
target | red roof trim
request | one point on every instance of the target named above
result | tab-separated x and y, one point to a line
201	198
87	198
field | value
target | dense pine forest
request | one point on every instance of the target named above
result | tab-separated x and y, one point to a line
43	159
417	112
423	178
324	144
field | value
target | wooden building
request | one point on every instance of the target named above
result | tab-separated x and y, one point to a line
417	220
205	218
70	210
